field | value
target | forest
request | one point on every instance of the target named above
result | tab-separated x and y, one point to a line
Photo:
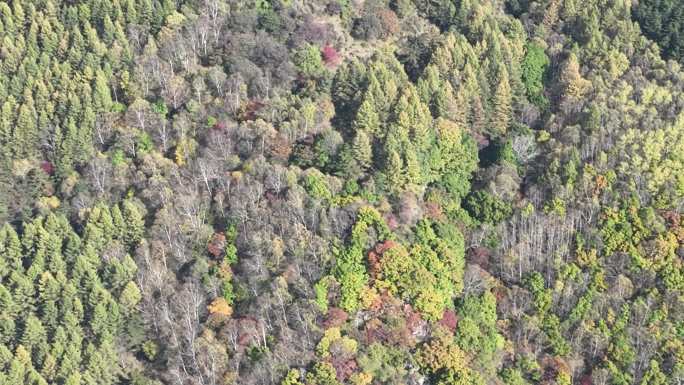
341	192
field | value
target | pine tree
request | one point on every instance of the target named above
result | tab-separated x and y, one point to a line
25	135
347	88
49	367
94	238
413	116
10	249
99	320
575	84
292	378
67	150
18	15
118	222
654	376
72	246
34	332
429	84
76	50
48	292
131	12
48	38
394	172
7	18
130	297
376	94
444	102
74	378
39	257
119	273
54	259
109	30
414	171
71	359
363	151
145	10
23	291
501	114
367	118
18	366
135	223
478	117
7	304
6	114
383	87
102	96
102	218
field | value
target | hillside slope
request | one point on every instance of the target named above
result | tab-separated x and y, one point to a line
341	192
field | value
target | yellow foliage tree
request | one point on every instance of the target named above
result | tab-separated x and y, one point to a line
219	306
575	84
441	353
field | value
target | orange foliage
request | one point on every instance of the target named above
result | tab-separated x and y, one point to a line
601	184
389	21
672	217
375	256
219	306
280	147
434	211
249	110
553	366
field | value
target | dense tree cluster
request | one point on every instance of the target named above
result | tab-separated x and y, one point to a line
334	192
67	74
68	298
663	21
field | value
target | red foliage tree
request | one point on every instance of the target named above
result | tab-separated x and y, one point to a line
391	221
330	56
335	318
586	379
217	244
482	141
449	320
47	167
344	368
220	125
480	256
